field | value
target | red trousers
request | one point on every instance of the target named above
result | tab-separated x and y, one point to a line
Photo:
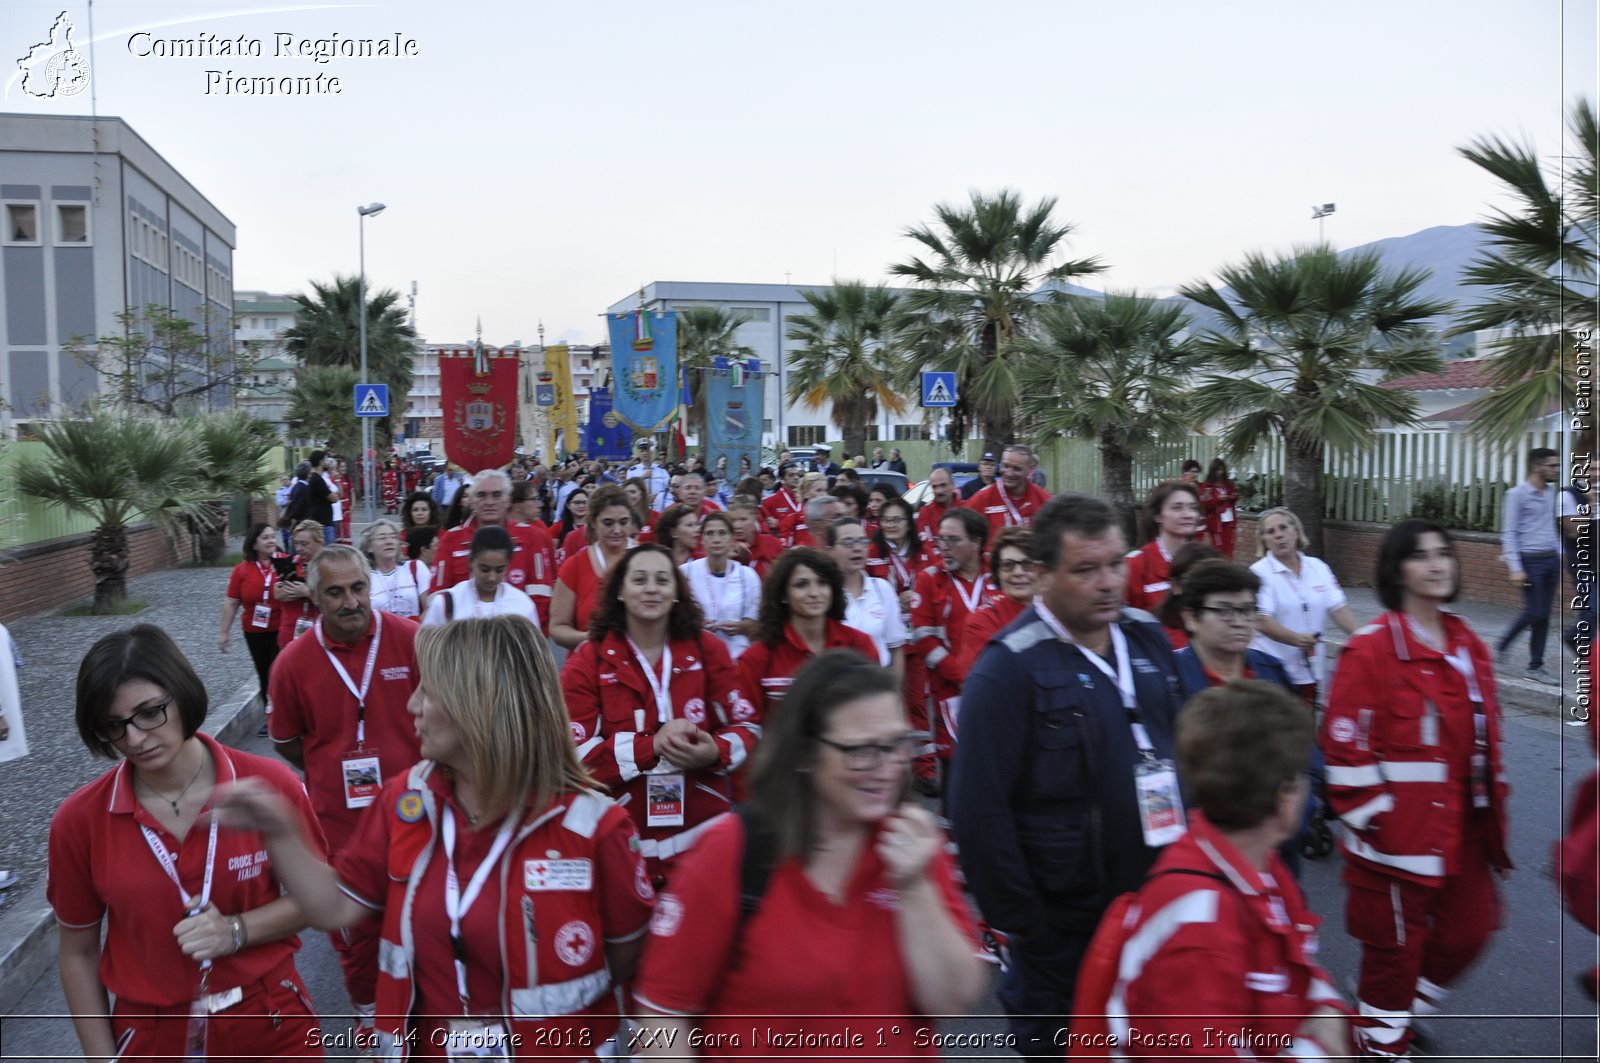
274	1021
1409	931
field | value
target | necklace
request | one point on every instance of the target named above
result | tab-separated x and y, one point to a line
173	801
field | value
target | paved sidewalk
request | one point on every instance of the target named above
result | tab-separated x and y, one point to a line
187	603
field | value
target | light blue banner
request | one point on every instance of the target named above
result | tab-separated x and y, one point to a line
644	369
733	418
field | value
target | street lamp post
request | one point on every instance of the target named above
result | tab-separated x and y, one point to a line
1317	214
368	480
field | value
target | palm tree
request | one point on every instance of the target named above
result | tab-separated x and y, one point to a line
319	401
706	333
844	358
1297	338
117	469
1540	275
976	291
1113	370
233	447
327	332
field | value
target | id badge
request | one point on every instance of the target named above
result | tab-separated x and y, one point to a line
362	778
197	1034
301	626
1155	784
664	800
261	617
475	1039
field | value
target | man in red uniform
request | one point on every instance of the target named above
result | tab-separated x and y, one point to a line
1012	500
533	558
339	713
943	486
939	610
691	491
819	513
785	501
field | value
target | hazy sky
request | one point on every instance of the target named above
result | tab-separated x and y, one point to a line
541	160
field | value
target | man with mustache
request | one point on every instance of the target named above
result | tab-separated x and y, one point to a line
1063	791
338	699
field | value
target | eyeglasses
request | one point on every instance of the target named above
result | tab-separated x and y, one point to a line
950	540
866	756
1015	564
1229	612
891	519
113	729
852	542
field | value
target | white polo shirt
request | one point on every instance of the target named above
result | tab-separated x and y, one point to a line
877	613
1300	604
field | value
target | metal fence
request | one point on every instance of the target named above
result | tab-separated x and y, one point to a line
25	520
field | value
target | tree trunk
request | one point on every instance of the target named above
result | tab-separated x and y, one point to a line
1116	484
855	440
213	531
108	560
1302	488
997	433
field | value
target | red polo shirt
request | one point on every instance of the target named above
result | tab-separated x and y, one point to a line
1149	576
928	518
580	577
1003	509
766	669
102	869
250	584
311	702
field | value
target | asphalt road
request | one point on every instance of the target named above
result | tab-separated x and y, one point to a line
1519	1002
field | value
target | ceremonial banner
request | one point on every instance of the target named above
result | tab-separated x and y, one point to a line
564	410
644	369
734	408
478	393
606	438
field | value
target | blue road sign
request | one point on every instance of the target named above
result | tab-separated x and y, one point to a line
938	389
372	400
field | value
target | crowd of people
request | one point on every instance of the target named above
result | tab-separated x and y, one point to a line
634	756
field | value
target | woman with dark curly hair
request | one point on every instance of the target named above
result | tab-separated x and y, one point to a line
668	723
419	510
802	614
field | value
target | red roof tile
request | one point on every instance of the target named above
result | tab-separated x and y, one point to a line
1472	373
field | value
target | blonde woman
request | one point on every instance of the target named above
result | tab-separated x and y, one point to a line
551	902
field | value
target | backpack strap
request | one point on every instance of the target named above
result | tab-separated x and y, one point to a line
449	607
757	861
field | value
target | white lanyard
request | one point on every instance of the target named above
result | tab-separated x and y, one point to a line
1461	661
979	587
1122	676
598	560
660	686
1011	510
457	904
794	507
191	905
266	579
366	675
1167	557
902	574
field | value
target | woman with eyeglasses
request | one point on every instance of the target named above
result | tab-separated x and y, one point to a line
399	586
1412	737
1299	595
572	532
578	583
1011	566
512	897
198	937
828	906
877	495
870	604
656	706
898	553
728	593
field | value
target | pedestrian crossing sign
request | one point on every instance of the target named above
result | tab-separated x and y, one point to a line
372	400
938	389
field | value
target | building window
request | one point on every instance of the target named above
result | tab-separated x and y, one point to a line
910	432
807	435
22	223
751	313
766	426
272	322
72	223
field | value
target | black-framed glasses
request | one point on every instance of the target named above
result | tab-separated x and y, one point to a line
1015	564
865	756
147	719
852	542
1229	612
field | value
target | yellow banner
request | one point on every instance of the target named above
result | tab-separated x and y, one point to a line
564	414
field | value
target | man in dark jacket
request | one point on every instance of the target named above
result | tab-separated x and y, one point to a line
1063	790
320	495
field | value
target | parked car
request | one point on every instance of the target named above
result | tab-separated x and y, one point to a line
961	472
871	478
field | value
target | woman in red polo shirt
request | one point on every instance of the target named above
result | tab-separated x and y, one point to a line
571	533
512	895
192	910
611	522
250	598
856	928
656	707
802	614
1011	569
1171	518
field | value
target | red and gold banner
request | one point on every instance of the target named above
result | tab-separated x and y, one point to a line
478	393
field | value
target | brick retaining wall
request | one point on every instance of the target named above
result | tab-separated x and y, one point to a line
45	575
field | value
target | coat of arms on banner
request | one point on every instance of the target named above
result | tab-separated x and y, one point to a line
644	372
478	418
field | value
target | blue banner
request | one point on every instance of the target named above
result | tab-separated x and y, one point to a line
605	437
733	416
644	369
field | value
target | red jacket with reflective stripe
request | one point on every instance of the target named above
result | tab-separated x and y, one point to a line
1399	740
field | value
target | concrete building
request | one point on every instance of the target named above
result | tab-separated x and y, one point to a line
767	310
95	222
259	321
